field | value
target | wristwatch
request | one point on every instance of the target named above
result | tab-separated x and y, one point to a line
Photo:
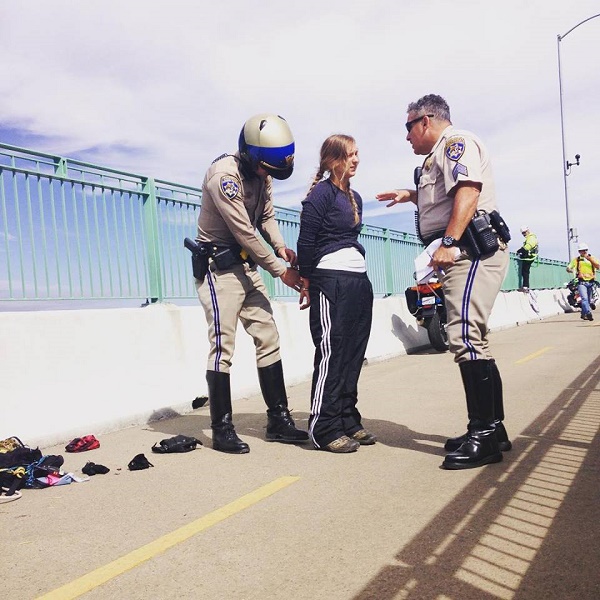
448	241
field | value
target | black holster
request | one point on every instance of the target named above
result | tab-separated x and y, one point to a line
200	254
479	237
483	234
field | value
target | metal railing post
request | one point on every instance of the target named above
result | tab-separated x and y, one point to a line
152	242
387	262
61	167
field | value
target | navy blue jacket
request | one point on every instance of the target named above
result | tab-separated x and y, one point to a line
327	225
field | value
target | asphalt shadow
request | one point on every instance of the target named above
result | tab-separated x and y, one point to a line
526	531
253	425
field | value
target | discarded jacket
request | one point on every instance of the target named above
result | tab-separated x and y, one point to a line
87	442
21	455
179	443
15	459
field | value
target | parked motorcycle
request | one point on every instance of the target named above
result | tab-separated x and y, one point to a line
425	302
573	297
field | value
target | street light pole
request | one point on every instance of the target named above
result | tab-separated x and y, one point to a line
566	166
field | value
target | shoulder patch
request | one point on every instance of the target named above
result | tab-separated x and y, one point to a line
230	186
459	169
455	147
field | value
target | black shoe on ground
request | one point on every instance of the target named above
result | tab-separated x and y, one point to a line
225	439
281	428
504	444
481	448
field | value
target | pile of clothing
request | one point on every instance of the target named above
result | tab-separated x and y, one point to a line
25	467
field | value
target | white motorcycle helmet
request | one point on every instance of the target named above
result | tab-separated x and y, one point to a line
266	141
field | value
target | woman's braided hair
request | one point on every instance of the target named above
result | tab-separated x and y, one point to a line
334	154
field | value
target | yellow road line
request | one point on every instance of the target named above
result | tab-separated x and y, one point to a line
103	574
534	355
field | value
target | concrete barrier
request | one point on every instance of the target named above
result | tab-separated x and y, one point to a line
65	374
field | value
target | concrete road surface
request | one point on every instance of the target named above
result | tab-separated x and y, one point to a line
288	522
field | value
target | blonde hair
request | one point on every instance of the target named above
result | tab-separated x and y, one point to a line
334	153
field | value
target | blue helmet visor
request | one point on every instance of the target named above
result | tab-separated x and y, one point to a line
277	162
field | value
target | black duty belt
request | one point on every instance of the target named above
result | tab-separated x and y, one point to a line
433	236
224	257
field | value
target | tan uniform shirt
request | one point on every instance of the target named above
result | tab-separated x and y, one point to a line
457	156
234	207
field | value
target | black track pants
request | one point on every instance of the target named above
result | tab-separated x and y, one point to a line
341	311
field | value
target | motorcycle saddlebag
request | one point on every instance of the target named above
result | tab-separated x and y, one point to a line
411	300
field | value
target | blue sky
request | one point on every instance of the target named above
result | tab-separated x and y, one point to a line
162	88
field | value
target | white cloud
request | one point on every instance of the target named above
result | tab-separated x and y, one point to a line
163	88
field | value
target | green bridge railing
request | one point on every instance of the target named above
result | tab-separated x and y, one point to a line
70	230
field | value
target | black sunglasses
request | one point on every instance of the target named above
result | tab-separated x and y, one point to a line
410	124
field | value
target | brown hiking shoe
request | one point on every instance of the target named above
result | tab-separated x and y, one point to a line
364	437
342	445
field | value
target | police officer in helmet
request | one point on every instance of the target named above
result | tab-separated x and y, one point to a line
236	204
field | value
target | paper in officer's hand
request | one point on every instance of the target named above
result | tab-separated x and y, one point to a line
423	272
422	269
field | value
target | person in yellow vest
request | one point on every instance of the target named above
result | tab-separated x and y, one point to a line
584	267
527	253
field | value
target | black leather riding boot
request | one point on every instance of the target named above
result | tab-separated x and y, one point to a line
504	443
224	436
280	425
481	446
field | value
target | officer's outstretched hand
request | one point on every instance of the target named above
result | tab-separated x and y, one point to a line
291	278
288	255
396	197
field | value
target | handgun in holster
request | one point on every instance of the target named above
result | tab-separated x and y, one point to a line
200	255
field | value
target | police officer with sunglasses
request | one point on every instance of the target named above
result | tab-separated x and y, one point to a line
455	191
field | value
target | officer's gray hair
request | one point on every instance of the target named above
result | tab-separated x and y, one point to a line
431	104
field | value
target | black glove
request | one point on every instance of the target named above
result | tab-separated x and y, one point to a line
94	469
138	462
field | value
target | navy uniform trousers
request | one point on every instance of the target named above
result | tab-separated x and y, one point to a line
341	312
